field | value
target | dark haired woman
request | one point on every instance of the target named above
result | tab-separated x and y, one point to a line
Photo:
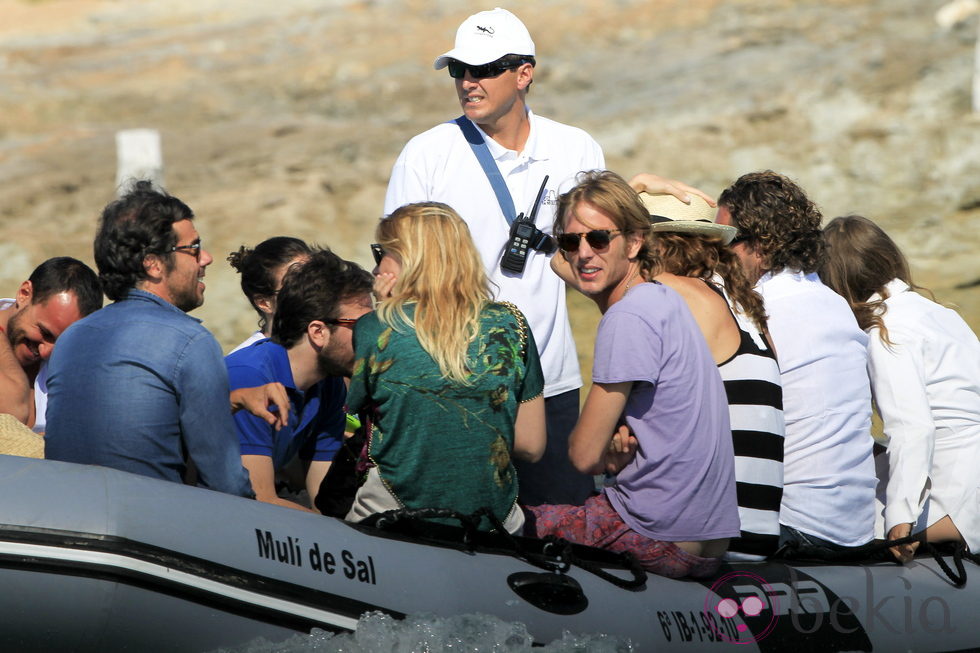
262	270
924	364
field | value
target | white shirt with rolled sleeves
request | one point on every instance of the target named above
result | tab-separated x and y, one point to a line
828	469
439	165
927	388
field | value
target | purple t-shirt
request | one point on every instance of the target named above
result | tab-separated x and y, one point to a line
681	485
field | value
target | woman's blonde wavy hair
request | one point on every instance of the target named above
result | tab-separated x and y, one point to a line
443	275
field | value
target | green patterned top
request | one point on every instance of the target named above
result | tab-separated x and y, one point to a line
438	443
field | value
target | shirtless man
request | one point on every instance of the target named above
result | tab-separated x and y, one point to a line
59	291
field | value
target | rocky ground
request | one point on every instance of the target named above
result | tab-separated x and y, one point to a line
285	118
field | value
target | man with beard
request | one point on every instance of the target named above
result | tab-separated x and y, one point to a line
59	291
309	354
138	385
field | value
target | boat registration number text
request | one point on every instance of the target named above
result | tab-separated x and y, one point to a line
691	626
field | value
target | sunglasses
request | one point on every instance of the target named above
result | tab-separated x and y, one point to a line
598	239
739	239
378	252
457	69
348	322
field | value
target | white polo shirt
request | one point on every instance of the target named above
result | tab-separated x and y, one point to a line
439	165
828	470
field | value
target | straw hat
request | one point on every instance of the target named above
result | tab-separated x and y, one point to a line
667	213
18	440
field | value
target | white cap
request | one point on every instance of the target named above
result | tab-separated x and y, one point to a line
487	36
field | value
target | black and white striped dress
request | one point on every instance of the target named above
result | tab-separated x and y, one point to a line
755	408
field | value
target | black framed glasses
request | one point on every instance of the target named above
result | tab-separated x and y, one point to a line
598	239
740	238
378	252
457	69
348	322
194	249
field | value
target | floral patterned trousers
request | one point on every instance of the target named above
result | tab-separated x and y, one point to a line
598	524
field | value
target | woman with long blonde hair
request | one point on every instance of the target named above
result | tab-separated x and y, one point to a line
449	379
924	364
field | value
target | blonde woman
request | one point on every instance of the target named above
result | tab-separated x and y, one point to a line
924	364
450	379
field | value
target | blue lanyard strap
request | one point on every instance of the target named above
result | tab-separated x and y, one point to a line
482	152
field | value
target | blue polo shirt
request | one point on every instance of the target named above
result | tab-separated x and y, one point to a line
316	417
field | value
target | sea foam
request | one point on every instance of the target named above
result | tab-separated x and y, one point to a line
470	633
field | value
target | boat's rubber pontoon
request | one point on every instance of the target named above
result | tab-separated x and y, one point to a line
93	559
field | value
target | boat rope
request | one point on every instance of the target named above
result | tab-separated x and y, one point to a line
557	555
959	552
877	551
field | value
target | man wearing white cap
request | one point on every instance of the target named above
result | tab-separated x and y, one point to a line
496	161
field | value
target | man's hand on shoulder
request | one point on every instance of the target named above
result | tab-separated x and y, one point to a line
260	399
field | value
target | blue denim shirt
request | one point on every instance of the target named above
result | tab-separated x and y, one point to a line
136	386
316	417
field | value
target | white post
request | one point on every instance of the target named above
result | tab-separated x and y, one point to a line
138	156
976	73
950	15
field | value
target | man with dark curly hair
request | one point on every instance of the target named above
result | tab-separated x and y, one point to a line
140	385
829	479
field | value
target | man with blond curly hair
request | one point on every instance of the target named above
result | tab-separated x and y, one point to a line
829	479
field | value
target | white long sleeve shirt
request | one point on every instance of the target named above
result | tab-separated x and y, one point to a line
927	388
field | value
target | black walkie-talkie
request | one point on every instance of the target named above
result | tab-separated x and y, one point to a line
523	236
